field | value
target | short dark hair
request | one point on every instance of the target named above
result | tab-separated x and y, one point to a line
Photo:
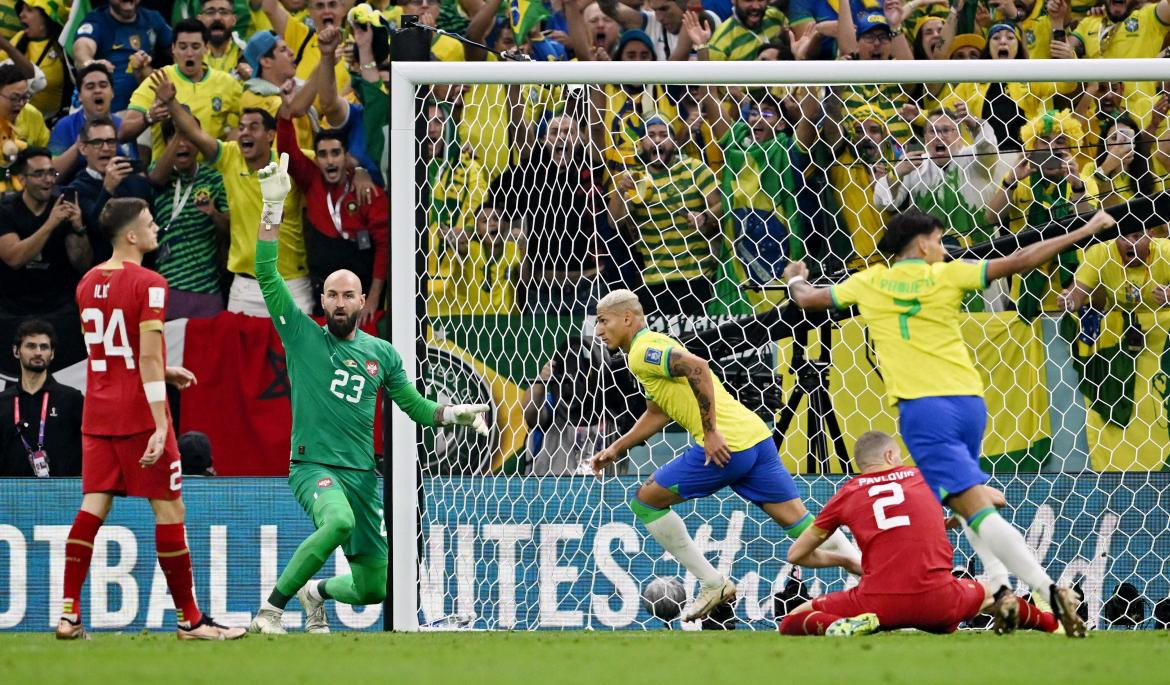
31	327
21	163
10	74
268	120
119	213
96	122
191	25
168	125
91	68
907	226
329	134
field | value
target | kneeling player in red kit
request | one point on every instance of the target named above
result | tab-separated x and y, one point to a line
906	557
127	441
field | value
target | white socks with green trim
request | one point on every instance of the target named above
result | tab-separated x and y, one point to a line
997	573
670	532
1008	545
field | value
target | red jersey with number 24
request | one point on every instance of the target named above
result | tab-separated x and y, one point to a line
899	526
117	304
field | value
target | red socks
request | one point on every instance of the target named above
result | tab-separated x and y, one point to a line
1031	618
170	539
78	552
807	623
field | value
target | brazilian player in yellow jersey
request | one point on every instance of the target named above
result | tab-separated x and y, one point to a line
912	309
733	448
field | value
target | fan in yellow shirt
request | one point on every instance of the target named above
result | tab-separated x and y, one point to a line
39	43
21	125
212	96
486	266
733	448
912	310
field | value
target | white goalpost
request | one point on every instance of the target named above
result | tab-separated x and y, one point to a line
501	540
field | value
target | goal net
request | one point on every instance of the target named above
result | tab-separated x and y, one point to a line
522	193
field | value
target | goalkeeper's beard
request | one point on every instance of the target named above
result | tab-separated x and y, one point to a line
342	329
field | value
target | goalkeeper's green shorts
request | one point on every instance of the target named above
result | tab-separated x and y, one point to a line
310	481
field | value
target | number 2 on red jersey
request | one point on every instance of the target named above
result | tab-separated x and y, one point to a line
107	335
894	496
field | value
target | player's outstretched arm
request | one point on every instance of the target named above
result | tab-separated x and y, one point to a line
802	293
697	371
152	371
805	552
1032	256
275	185
652	421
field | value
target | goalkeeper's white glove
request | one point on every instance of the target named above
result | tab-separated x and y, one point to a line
467	415
275	185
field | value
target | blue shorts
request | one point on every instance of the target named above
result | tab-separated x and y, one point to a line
755	474
945	438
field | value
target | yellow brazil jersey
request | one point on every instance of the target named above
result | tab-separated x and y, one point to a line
303	43
1139	35
1125	287
214	101
228	61
912	310
482	282
243	194
673	248
625	115
852	183
28	130
733	41
1124	187
649	361
47	55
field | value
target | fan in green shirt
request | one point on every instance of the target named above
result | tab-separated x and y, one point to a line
335	372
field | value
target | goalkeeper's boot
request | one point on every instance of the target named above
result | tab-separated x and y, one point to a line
856	626
208	629
71	630
267	622
709	598
1064	605
1005	611
315	619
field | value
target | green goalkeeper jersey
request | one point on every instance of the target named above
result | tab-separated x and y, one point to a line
334	382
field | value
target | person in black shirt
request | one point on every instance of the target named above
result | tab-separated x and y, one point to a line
41	424
556	193
44	251
106	175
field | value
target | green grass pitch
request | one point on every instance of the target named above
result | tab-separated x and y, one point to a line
597	658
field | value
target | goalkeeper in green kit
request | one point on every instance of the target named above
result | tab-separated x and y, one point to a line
335	372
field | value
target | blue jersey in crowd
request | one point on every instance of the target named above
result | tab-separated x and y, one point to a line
117	42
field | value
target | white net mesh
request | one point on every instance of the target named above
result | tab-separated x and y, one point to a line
538	200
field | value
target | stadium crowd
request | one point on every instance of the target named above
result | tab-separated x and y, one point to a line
542	197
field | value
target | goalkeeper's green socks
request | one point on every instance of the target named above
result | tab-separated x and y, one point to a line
335	521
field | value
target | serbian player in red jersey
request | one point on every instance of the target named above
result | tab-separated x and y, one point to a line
128	445
907	582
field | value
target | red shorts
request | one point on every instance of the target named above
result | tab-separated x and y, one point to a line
109	463
940	610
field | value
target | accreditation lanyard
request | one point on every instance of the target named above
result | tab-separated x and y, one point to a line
335	209
36	458
181	200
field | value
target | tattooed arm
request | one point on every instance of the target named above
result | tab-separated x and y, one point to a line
697	371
